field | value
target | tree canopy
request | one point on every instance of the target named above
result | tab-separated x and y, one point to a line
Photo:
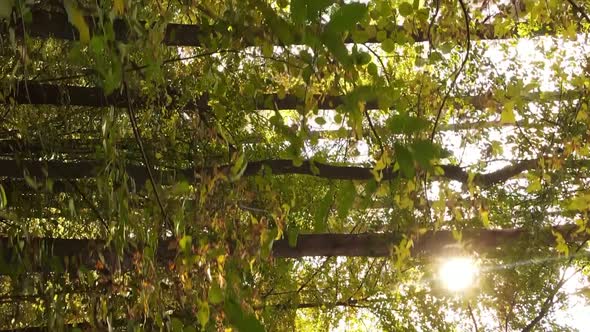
282	165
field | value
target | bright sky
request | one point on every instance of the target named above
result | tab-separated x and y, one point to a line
531	52
576	313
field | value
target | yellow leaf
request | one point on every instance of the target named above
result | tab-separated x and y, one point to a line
585	292
377	175
119	6
77	19
457	235
580	202
382	191
411	186
560	244
470	177
534	184
379	165
438	170
571	32
581	226
508	113
485	217
409	244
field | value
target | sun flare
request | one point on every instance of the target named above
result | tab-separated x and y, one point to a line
458	273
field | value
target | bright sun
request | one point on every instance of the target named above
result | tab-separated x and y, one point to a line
458	273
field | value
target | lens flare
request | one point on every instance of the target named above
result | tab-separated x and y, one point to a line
458	273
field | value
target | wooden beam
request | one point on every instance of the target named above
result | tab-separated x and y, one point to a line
70	254
46	24
83	169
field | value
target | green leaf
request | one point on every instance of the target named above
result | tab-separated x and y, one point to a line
180	188
360	36
242	321
406	124
435	56
336	46
215	295
370	189
404	158
346	17
307	74
239	167
372	69
185	243
321	215
3	200
405	9
315	7
6	8
346	196
320	120
388	45
298	11
176	325
31	182
203	314
424	151
363	58
281	28
292	234
72	207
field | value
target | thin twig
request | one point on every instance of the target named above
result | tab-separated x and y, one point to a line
430	25
379	142
549	300
303	285
547	304
366	276
579	10
24	54
137	135
385	73
89	203
463	63
475	328
315	273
